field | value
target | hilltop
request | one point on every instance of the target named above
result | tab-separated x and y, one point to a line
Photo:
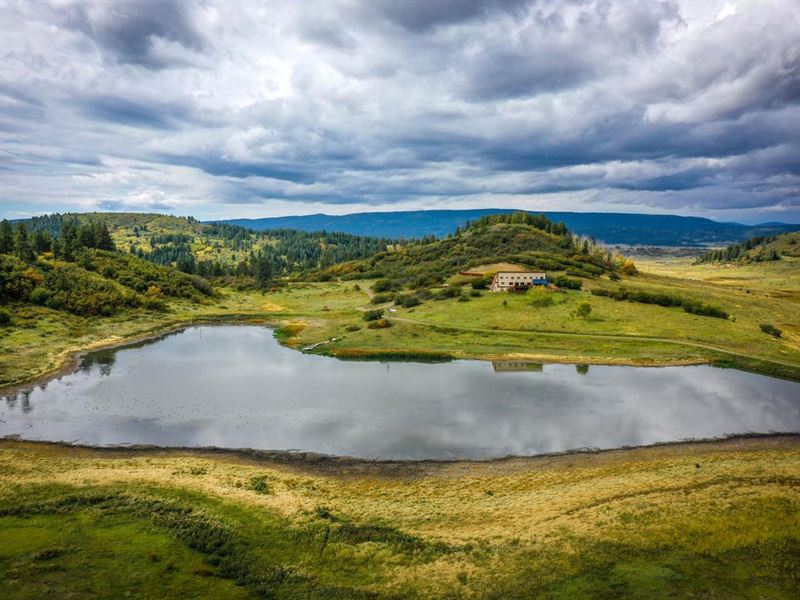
756	249
533	241
610	228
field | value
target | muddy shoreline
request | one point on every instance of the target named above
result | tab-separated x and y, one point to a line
345	466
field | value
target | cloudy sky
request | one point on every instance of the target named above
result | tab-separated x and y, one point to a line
259	109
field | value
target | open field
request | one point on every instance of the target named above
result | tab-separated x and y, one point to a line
712	520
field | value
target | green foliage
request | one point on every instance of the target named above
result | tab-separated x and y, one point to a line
584	310
663	299
482	283
568	283
5	317
750	250
540	297
379	324
373	315
453	291
382	298
771	330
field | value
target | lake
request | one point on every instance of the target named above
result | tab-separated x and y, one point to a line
236	387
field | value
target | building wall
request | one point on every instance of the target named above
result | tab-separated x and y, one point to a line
506	280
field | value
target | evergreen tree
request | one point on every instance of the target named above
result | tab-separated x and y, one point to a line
6	237
69	241
42	241
102	238
22	245
262	270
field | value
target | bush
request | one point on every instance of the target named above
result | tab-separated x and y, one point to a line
584	310
771	330
475	293
448	292
411	301
373	315
382	298
352	328
482	283
384	285
40	296
379	324
540	297
663	299
614	276
568	283
463	298
5	317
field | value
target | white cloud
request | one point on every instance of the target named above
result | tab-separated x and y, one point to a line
255	109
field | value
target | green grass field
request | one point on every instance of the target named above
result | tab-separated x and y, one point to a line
708	520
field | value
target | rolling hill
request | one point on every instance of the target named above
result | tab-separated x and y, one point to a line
610	228
756	249
533	241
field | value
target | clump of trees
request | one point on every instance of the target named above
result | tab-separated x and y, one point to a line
663	299
742	252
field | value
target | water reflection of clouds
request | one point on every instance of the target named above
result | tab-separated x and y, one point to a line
235	387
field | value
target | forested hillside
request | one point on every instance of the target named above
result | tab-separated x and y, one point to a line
756	249
610	228
79	270
210	249
530	240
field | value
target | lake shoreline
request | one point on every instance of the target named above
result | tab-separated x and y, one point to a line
346	466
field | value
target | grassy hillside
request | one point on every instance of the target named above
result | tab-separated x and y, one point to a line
531	241
716	520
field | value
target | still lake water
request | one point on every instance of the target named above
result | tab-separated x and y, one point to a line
236	387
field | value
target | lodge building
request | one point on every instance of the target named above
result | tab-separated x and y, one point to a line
518	281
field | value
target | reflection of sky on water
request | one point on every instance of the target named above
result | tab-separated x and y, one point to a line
236	387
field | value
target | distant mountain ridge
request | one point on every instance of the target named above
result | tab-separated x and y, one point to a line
611	228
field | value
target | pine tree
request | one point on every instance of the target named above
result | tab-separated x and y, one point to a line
6	237
22	245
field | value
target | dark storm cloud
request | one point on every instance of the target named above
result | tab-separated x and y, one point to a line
210	108
130	30
421	17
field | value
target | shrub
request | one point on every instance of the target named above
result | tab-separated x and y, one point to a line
382	298
5	317
39	295
379	324
373	315
411	301
614	276
663	299
482	283
384	285
463	298
540	297
584	310
770	329
475	293
448	292
568	283
352	328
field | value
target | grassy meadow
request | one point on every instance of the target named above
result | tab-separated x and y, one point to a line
710	520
